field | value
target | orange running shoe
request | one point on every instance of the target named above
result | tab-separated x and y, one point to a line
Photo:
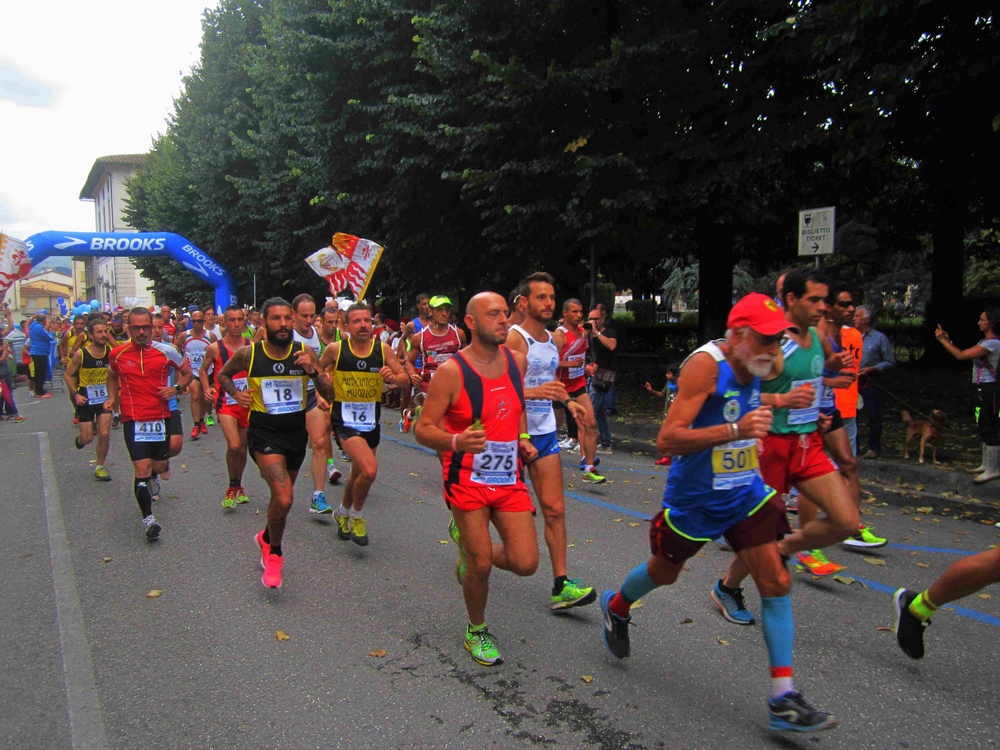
203	429
265	548
195	432
272	571
816	563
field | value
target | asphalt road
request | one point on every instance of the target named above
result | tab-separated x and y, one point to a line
91	662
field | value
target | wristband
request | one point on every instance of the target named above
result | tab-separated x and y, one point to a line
777	400
736	430
454	443
524	436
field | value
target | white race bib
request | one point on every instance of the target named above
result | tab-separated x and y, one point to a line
151	431
497	465
575	370
282	395
734	464
241	385
358	416
97	394
810	413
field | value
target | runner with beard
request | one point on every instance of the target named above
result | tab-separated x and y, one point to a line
86	377
278	369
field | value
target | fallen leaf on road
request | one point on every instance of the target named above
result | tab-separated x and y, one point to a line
884	629
637	604
184	466
923	565
634	525
617	520
378	653
925	509
986	596
847	581
570	545
442	541
874	560
153	594
912	554
106	559
723	641
627	481
919	488
587	678
414	475
588	541
281	635
686	621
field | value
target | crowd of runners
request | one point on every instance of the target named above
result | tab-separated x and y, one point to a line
752	418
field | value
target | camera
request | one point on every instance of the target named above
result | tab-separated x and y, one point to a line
588	326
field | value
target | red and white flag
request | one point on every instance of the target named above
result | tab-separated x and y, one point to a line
348	263
14	262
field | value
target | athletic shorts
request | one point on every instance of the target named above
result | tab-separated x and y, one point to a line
311	402
90	413
761	524
546	445
289	443
789	459
156	450
506	499
372	437
239	413
176	427
837	423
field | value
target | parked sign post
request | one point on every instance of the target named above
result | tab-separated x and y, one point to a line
816	231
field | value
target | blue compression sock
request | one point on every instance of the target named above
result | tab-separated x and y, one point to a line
637	584
779	629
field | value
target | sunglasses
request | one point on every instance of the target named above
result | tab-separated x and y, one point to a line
841	303
768	340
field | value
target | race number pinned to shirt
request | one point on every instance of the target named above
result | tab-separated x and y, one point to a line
576	366
497	465
281	395
734	464
151	431
97	394
358	416
241	385
807	414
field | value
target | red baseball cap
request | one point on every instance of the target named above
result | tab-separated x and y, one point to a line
759	312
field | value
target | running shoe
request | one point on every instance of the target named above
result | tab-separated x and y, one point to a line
592	477
20	418
101	474
195	432
241	496
76	420
663	461
203	429
209	421
153	529
605	449
229	501
573	595
358	534
401	425
816	563
407	421
732	605
77	443
345	458
333	474
343	524
45	395
865	539
319	505
271	577
461	564
615	628
116	419
909	629
568	444
154	488
265	548
792	504
482	646
791	713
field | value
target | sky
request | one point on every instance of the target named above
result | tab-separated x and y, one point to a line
81	80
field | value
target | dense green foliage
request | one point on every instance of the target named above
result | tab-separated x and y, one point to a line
480	141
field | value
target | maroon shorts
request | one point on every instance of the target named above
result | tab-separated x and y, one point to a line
767	524
239	413
514	499
789	459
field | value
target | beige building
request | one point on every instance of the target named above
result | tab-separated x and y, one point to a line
114	281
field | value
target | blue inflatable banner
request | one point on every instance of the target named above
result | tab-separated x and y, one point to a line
44	245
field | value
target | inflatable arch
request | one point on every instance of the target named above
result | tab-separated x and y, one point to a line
44	245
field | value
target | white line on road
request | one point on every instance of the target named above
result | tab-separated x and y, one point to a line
86	718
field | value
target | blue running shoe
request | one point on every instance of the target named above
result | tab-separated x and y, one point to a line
615	628
791	713
319	505
732	605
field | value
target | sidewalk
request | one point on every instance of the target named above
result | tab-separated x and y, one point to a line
949	491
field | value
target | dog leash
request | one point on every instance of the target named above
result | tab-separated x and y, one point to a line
910	407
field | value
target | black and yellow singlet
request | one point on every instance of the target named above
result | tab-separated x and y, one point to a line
357	387
92	377
278	387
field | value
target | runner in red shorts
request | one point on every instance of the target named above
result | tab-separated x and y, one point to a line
233	418
479	398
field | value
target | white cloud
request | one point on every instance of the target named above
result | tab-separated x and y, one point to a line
93	79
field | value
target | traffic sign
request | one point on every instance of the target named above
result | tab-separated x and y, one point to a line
816	230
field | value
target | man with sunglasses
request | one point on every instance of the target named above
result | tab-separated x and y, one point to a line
715	488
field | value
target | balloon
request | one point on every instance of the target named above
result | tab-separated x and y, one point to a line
62	305
95	305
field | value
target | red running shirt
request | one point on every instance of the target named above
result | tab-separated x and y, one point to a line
142	371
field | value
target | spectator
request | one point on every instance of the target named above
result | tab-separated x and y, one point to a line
602	372
8	409
876	357
40	341
985	357
667	394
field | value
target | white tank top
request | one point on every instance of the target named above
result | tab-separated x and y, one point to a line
194	349
314	343
543	359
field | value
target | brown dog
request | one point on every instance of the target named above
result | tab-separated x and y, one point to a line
928	429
